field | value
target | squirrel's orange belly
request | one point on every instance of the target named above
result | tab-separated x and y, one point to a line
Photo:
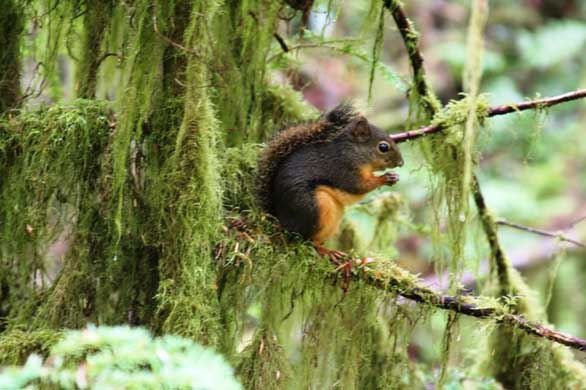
331	202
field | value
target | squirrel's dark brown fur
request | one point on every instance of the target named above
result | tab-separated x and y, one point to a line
309	172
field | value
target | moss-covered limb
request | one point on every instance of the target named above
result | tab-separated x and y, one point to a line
244	36
95	23
411	41
187	300
499	261
392	278
11	28
494	111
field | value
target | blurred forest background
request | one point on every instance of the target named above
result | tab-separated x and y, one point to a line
532	165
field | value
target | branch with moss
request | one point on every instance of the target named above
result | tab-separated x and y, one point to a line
394	279
411	40
495	111
498	257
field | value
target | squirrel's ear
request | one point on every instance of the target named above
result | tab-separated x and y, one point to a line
341	115
361	130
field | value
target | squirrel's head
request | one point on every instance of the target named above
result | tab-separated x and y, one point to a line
367	143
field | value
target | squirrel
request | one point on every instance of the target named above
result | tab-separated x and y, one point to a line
309	172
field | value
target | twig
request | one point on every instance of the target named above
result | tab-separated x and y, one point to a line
494	111
541	232
169	40
106	55
498	257
330	45
411	41
577	221
282	42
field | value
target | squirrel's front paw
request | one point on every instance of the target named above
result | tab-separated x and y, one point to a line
391	178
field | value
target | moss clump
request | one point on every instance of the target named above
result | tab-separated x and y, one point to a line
445	158
122	358
16	345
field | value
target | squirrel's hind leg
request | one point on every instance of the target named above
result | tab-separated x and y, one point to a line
330	212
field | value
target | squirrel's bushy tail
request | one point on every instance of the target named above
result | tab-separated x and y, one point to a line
292	138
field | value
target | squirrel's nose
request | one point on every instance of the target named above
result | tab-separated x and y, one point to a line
400	163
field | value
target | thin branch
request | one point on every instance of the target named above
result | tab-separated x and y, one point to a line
494	111
329	44
541	232
577	221
103	57
411	41
498	258
169	40
282	42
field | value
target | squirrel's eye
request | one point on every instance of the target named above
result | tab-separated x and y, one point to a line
384	147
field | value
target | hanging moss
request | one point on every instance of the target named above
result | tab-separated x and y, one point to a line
157	210
49	187
96	17
445	158
471	80
187	296
244	33
11	29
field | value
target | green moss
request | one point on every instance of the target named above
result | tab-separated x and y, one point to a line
187	300
446	160
17	345
122	358
51	172
11	28
96	20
